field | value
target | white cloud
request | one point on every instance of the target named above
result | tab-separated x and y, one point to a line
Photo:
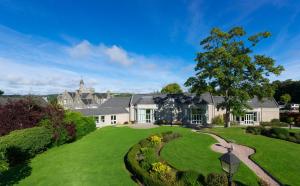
82	49
37	65
118	55
113	54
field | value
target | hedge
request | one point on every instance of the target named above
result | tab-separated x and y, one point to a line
20	145
133	166
275	132
83	125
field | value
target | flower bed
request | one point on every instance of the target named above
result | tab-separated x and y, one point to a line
144	162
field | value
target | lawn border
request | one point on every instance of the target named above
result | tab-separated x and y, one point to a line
250	157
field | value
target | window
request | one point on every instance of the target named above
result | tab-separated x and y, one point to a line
102	119
196	117
65	101
97	119
113	119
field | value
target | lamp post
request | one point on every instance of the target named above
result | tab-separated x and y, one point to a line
230	164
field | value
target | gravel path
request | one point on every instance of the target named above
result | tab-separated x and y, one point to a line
243	153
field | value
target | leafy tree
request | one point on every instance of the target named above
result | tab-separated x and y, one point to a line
20	114
285	98
227	66
172	88
287	87
1	92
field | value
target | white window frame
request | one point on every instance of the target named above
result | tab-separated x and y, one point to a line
196	118
97	119
102	119
113	119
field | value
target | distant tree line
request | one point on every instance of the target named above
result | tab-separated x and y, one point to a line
289	87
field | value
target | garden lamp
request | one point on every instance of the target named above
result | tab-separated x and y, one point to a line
230	164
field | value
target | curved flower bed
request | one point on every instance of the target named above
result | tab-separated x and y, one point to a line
144	162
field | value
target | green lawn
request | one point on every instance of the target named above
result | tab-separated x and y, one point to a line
98	158
192	152
280	158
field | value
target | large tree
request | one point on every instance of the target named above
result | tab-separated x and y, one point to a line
172	88
227	66
1	92
285	98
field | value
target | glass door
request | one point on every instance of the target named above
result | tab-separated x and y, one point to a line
249	118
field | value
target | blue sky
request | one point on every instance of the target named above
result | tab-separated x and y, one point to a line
129	46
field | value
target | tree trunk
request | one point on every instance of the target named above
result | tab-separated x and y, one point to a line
227	118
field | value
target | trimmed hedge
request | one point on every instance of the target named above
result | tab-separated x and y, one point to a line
83	125
20	145
274	123
275	132
192	178
141	174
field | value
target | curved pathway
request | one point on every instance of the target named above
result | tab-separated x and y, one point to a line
243	153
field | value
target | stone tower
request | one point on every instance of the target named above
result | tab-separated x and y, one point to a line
81	86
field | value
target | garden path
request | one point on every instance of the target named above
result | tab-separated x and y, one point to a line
243	153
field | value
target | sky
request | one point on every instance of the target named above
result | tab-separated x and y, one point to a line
130	46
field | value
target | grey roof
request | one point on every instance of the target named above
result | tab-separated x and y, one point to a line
102	111
184	98
72	94
122	102
254	103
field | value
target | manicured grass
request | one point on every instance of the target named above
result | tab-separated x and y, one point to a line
280	158
192	152
98	158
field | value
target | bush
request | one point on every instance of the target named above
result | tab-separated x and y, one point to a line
133	165
21	145
263	183
155	139
215	179
190	178
274	123
83	125
25	113
254	129
148	157
280	133
3	161
168	136
218	120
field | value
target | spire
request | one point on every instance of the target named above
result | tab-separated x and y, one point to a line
81	85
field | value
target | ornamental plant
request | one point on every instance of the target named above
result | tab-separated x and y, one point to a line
160	168
155	139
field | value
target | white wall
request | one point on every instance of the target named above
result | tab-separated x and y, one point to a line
120	119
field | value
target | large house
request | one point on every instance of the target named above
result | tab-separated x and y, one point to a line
185	108
82	98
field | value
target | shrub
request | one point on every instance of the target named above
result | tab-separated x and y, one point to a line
280	133
160	168
163	172
262	182
25	113
133	165
190	178
177	123
168	136
20	145
83	125
218	120
274	123
148	157
254	129
215	179
3	161
155	139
